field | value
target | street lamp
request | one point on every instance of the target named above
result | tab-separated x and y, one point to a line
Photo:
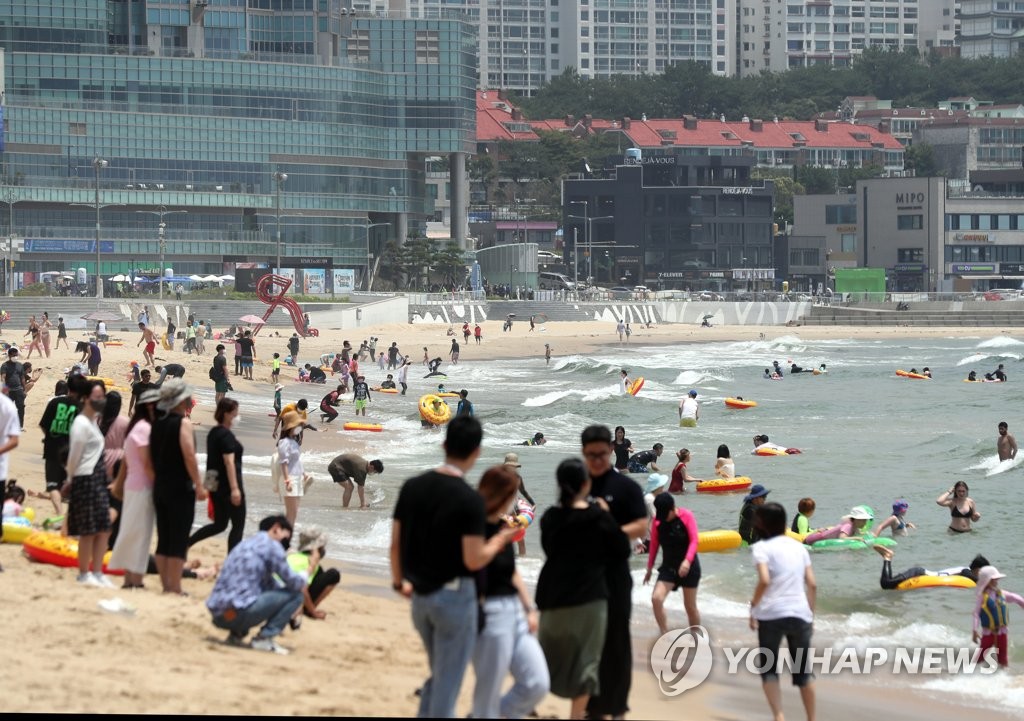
586	239
98	164
279	177
160	212
588	227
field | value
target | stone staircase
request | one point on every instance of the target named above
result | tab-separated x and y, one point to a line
634	312
916	317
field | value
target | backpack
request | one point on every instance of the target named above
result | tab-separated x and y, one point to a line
213	373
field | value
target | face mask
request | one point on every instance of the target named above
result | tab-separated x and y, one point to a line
238	417
286	542
98	404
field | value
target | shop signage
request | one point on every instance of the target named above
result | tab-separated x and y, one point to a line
308	262
737	191
972	238
909	267
972	268
846	228
652	160
753	274
46	245
1011	268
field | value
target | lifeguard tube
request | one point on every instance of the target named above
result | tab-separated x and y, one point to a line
916	582
740	403
915	376
375	427
721	540
435	415
53	548
724	485
635	386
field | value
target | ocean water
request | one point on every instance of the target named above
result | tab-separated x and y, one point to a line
868	437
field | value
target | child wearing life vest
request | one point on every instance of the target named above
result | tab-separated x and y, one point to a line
991	620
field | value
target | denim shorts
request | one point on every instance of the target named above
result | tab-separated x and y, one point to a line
797	633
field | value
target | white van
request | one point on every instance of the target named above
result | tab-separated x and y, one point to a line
555	281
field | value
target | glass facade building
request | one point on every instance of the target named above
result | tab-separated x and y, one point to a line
199	105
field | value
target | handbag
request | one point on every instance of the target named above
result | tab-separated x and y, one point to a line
211	481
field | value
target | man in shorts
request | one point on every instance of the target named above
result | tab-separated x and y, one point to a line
361	395
348	468
219	374
150	338
56	425
248	346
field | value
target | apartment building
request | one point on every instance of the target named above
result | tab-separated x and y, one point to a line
991	28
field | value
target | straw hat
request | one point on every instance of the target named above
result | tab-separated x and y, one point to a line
172	393
311	538
289	420
512	459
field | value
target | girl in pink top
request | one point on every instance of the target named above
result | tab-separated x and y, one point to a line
675	530
991	620
850	527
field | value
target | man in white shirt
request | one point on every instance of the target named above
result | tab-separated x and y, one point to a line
10	432
689	410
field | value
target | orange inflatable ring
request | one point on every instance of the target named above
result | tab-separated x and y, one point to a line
53	548
375	427
740	403
915	376
762	451
724	485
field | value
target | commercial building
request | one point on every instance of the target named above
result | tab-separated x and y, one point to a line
670	221
296	129
929	235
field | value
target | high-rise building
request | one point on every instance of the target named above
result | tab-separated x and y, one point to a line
991	28
283	128
777	35
524	43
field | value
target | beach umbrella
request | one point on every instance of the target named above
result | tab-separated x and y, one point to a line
227	277
211	279
511	315
104	315
707	316
254	319
195	277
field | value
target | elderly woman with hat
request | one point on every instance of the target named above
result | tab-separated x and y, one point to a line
177	482
134	482
289	460
320	581
850	526
757	496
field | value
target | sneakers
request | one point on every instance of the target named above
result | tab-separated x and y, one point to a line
87	579
269	644
103	581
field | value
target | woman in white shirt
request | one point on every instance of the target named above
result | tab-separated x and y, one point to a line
89	502
782	605
289	456
725	467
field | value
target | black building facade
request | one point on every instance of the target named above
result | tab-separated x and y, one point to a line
669	222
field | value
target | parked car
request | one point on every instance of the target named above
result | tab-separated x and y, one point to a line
710	295
621	292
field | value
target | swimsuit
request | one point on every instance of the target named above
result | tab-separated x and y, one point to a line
955	512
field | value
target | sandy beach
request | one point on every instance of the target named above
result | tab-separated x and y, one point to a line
365	659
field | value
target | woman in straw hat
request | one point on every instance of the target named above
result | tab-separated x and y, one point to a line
177	482
289	455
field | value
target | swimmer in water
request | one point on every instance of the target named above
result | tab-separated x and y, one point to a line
897	521
889	581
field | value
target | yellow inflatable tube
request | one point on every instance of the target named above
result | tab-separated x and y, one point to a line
714	541
935	582
434	410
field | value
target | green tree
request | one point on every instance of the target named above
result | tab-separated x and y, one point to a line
449	262
415	260
921	159
816	181
390	268
785	189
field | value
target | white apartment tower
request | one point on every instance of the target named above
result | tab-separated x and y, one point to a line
777	35
524	43
991	28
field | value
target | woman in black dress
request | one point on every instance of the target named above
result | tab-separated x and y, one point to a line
224	459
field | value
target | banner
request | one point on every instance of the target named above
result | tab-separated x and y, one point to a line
314	281
344	280
46	245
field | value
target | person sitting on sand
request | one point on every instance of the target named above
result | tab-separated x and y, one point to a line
320	581
316	374
889	581
256	585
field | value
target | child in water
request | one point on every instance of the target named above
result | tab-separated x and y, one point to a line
802	520
852	526
990	619
897	521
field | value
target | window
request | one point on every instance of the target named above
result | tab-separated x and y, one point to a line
848	243
840	214
909	222
910	255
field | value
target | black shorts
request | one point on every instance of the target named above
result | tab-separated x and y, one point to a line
691	580
55	472
174	516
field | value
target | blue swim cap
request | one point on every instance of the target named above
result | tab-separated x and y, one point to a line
900	507
693	393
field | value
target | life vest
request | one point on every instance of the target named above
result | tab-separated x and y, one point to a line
992	613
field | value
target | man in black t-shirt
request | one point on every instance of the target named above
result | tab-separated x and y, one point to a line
437	543
12	374
56	424
644	461
248	346
625	502
139	387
